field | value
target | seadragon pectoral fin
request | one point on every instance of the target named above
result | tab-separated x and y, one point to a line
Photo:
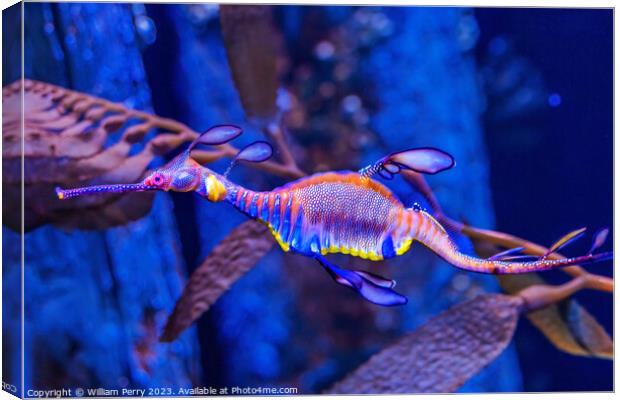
372	287
255	152
217	135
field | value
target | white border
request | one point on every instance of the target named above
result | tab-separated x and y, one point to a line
479	3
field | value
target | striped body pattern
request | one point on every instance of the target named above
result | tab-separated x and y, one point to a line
335	212
346	212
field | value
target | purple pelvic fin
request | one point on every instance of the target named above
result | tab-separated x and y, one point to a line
372	287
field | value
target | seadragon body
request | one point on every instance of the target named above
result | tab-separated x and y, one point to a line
340	212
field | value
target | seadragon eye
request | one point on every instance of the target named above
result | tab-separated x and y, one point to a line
156	180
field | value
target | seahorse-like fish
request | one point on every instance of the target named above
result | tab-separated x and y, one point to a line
341	212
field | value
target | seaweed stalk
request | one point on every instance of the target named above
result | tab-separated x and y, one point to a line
590	280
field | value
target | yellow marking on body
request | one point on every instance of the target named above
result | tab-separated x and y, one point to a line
284	245
404	247
215	189
61	195
333	249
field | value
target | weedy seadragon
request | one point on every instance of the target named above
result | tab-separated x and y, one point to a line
341	212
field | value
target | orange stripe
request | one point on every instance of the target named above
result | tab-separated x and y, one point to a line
282	210
353	178
401	226
248	200
399	218
408	224
434	233
417	223
259	204
294	214
270	203
423	228
239	195
283	201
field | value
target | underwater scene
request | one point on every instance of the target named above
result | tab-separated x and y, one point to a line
286	200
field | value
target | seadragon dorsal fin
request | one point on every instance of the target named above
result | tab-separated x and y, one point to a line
426	160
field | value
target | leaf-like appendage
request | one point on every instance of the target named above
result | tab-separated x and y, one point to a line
443	353
55	135
588	331
250	40
229	260
567	325
64	145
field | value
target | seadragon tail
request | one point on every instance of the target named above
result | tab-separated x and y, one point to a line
431	233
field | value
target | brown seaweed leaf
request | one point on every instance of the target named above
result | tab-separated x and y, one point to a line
567	325
443	353
229	260
250	41
64	136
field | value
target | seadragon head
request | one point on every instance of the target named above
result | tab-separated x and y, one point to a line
184	174
176	178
